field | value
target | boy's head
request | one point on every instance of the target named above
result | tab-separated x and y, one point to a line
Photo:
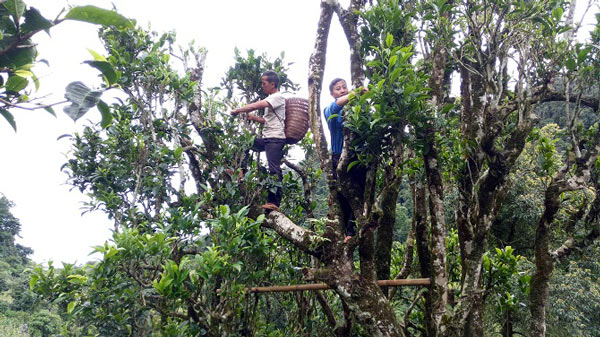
270	82
338	88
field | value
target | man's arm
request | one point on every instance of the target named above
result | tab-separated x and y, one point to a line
256	118
251	107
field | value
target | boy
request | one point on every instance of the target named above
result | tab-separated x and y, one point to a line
339	91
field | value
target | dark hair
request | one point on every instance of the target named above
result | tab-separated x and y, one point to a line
272	77
334	82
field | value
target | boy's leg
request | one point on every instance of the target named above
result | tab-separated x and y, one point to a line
348	218
274	151
335	159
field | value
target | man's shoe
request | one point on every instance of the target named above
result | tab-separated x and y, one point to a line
270	206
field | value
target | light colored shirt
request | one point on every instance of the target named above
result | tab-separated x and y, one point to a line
275	117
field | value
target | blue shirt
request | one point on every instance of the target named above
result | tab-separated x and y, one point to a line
335	126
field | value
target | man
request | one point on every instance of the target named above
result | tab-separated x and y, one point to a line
273	135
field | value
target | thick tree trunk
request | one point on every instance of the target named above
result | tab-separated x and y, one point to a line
385	235
315	83
387	202
421	228
439	277
359	292
422	233
544	260
538	295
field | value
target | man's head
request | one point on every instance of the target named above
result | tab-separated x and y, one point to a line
338	88
270	82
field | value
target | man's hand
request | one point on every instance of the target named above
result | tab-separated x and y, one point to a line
234	112
255	118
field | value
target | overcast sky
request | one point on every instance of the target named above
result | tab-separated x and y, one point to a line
30	176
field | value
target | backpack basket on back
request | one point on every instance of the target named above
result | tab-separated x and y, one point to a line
296	119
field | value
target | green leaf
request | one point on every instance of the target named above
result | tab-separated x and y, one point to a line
447	108
36	81
110	253
34	21
16	83
333	117
97	56
389	40
19	57
71	306
393	60
9	118
15	7
99	16
178	152
107	70
583	54
571	65
23	73
557	13
50	110
351	165
75	278
395	73
106	115
564	29
373	64
82	99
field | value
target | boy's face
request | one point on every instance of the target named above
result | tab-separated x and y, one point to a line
339	89
267	86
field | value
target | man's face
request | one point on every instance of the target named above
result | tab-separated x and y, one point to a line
339	89
267	86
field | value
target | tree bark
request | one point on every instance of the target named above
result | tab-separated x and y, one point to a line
439	276
544	260
387	201
315	83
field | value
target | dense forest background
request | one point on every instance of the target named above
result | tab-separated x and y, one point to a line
487	190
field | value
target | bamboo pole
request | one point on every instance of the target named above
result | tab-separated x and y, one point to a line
322	286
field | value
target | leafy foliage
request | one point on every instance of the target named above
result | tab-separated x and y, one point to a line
18	24
245	75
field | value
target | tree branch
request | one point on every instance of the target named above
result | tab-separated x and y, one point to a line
305	240
305	187
315	83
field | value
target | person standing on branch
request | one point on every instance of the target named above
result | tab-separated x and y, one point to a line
273	135
334	117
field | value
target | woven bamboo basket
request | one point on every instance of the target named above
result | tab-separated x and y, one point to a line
296	119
